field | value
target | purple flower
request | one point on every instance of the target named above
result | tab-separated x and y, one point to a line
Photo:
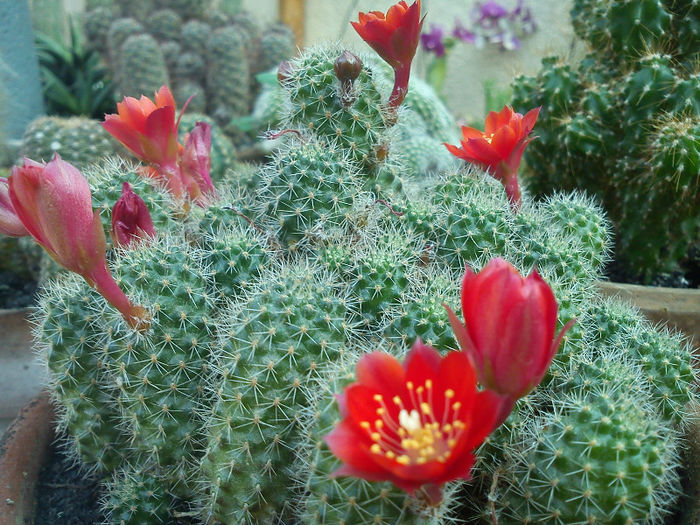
492	9
462	33
432	41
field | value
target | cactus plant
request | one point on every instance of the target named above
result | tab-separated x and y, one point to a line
261	301
628	119
201	53
77	140
141	66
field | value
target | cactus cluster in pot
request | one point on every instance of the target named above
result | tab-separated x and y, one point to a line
212	364
623	125
193	46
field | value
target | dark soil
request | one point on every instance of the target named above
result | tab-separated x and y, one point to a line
64	495
16	292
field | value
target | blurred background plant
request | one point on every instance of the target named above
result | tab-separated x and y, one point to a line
74	81
490	23
624	125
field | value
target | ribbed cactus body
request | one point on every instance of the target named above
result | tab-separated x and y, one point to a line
75	334
195	34
141	66
275	341
314	92
626	116
119	31
598	457
475	223
236	257
666	364
228	90
78	140
97	24
421	315
161	377
135	497
164	24
276	45
308	193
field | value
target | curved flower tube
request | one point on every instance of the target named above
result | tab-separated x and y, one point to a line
395	38
54	203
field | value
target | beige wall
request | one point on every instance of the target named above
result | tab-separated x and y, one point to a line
468	66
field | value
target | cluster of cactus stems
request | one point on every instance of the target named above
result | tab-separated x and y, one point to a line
190	45
623	126
212	394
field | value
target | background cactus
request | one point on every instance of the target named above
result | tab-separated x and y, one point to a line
215	51
627	116
77	140
263	301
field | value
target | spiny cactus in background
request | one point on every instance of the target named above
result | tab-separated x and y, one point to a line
141	66
627	117
77	140
211	49
264	296
228	89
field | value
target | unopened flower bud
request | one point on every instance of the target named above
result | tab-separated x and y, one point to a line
347	68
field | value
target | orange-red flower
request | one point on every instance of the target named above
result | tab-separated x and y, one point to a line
500	147
147	128
415	424
9	222
510	327
395	38
54	203
131	219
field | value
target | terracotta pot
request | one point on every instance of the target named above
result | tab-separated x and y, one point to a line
23	450
679	307
20	372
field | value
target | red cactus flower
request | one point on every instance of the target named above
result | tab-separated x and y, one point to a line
395	38
9	222
148	129
415	424
54	203
510	328
131	219
500	147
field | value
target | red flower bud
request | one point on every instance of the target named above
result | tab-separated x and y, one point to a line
510	328
415	424
195	163
9	222
54	203
130	218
